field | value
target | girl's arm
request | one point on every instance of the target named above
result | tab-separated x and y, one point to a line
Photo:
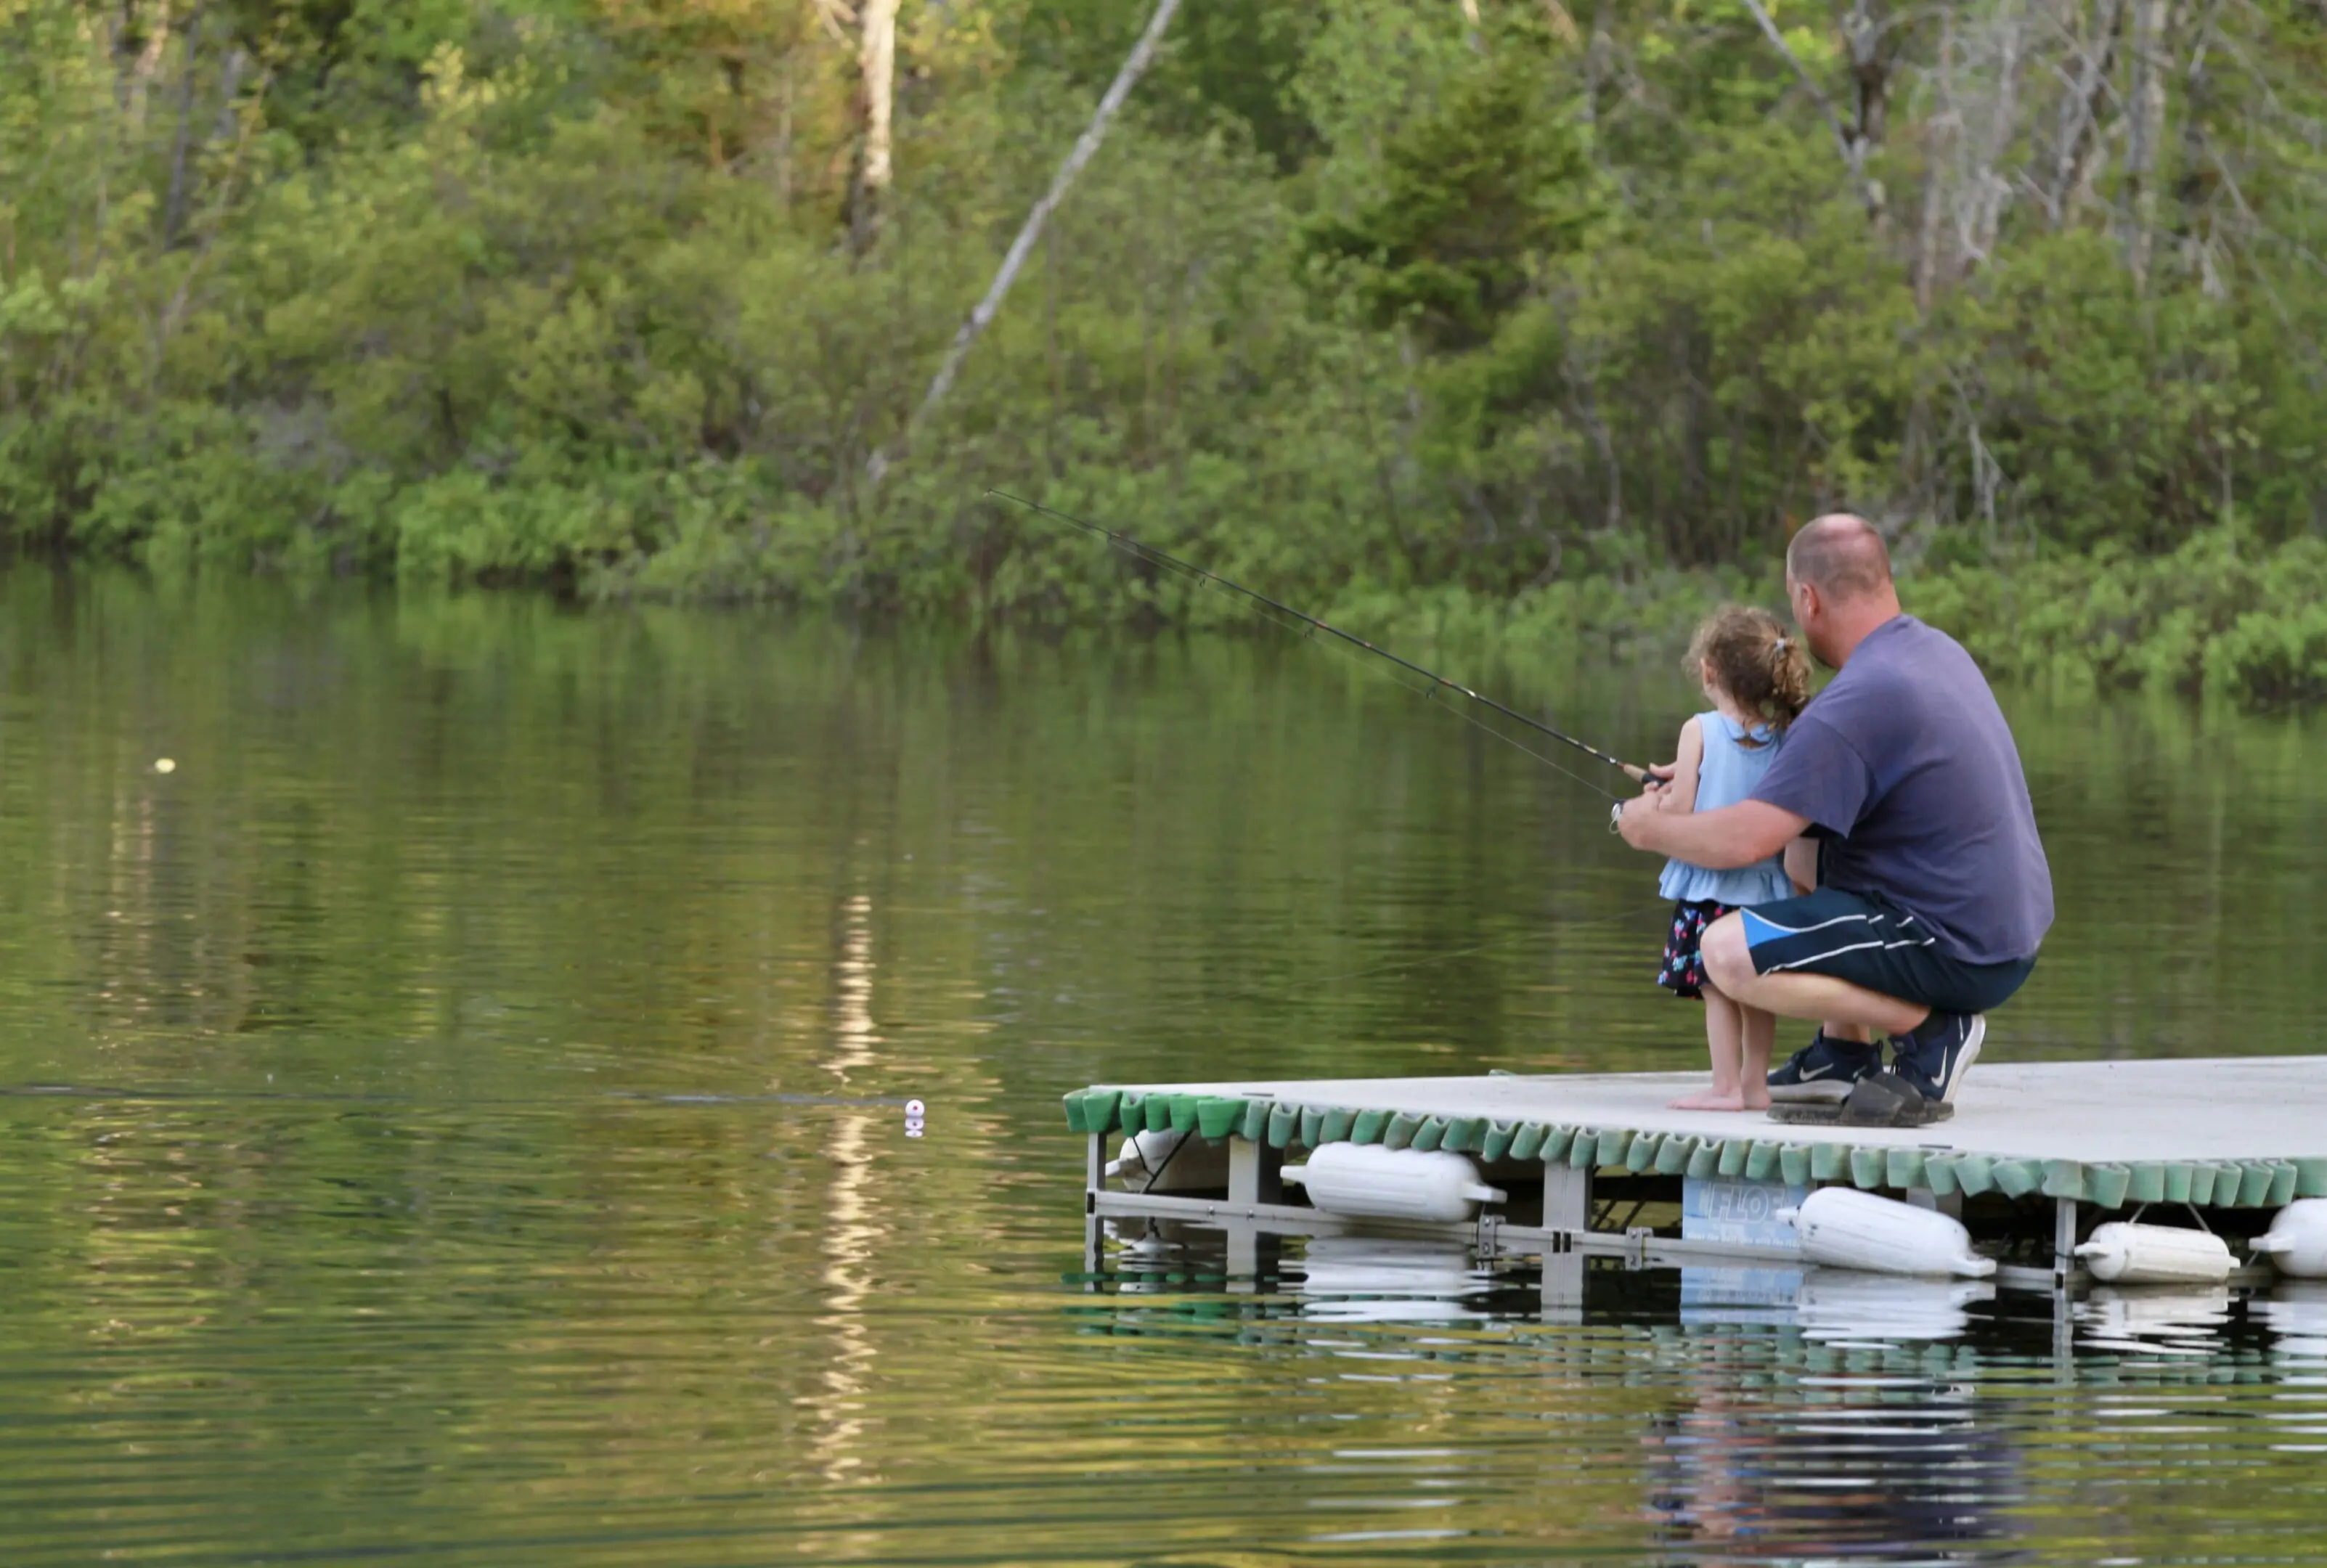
1680	795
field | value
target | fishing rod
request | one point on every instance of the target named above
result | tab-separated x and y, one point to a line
1124	541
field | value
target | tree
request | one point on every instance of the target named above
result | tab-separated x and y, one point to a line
1473	195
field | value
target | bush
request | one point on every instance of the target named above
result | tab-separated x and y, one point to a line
2221	616
1493	334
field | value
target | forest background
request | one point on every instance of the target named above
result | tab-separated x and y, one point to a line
1535	324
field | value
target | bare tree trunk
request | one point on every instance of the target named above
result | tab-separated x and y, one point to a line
784	135
1938	133
2195	189
1870	73
149	61
235	129
1595	63
1870	90
836	18
173	207
1974	121
1989	189
230	84
2145	124
2080	113
876	63
1134	66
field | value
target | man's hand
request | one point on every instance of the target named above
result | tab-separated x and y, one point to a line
1641	818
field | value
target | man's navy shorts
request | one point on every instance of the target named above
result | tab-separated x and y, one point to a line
1875	944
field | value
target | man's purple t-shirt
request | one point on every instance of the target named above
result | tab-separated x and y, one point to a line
1905	765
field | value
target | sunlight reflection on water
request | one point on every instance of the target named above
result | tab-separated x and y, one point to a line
460	1115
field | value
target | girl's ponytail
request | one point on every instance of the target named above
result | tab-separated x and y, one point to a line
1756	661
1789	675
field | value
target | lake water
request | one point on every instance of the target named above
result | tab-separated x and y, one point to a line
456	1116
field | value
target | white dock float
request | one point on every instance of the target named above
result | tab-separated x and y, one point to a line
2227	1134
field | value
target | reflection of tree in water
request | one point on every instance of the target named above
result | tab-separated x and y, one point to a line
1908	1474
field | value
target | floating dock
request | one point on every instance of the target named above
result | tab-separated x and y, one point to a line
2232	1139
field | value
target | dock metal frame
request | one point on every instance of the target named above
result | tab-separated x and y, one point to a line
1254	1208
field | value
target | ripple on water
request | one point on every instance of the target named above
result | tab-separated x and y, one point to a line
456	1116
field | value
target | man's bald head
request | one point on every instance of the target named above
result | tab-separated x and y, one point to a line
1838	581
1842	556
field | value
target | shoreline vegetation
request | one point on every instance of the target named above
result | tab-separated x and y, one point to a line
1527	329
2218	619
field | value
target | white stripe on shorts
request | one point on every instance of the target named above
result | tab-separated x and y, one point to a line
1805	930
1821	957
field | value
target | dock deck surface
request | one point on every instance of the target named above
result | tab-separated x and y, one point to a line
2248	1131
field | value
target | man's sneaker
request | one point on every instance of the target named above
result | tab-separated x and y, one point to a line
1937	1055
1890	1099
1822	1073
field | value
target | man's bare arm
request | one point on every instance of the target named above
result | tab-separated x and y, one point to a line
1719	840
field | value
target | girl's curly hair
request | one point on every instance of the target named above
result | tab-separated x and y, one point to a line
1756	661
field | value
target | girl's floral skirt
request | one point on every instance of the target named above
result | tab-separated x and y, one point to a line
1683	974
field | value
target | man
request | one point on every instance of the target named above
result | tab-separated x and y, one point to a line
1934	891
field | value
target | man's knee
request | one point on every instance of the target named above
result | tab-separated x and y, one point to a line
1727	962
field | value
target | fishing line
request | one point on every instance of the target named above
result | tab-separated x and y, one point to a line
1150	554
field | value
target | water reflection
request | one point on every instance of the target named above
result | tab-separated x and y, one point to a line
2295	1314
1826	1437
1832	1306
851	1227
1362	1279
1876	1472
1839	1307
1867	1418
2155	1319
490	1044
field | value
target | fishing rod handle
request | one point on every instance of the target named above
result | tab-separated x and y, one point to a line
1648	782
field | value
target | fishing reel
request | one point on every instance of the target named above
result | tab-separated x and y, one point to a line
1616	809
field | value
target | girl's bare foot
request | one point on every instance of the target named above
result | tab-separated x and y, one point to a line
1714	1100
1756	1098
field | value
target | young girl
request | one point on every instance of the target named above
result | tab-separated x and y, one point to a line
1757	680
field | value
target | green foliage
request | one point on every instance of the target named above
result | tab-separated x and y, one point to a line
1497	331
1228	66
1473	196
2118	419
2218	616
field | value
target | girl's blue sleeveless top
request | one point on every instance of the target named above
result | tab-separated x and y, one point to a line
1727	775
